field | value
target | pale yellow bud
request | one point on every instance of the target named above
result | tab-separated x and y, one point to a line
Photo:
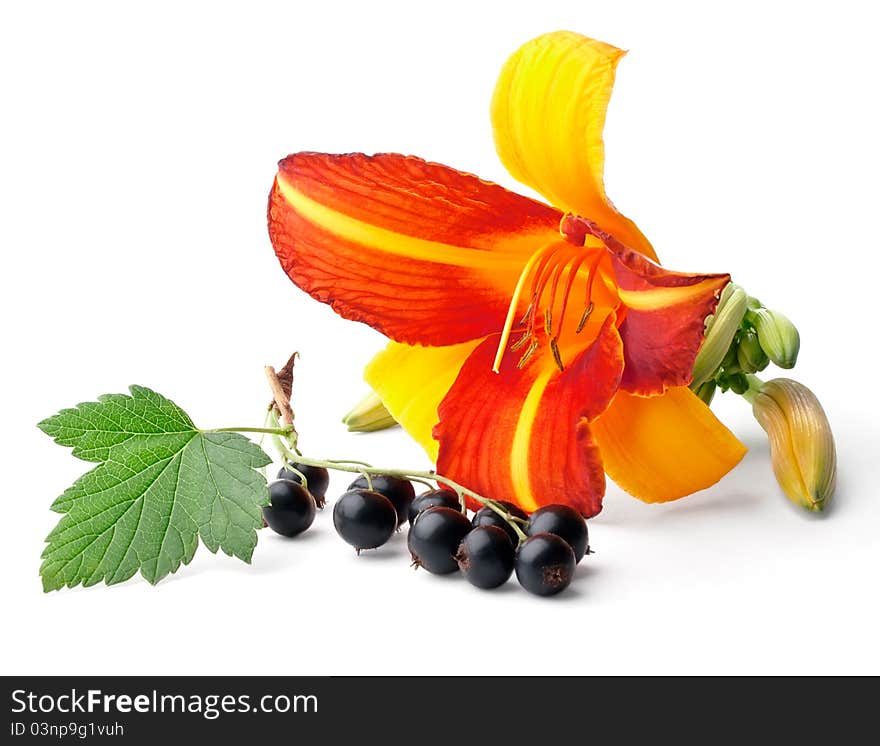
368	414
801	443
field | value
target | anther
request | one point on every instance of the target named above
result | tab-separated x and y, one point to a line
548	321
521	342
528	312
554	346
586	315
529	352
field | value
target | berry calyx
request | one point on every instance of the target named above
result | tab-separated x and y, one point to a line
291	508
434	539
399	491
318	479
485	516
545	564
563	521
364	518
486	557
442	497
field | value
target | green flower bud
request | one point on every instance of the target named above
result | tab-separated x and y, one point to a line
801	442
720	331
369	414
749	354
778	336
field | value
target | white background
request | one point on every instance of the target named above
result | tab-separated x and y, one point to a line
137	151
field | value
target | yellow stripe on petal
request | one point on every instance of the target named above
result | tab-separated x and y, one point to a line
496	248
664	447
520	463
651	300
412	381
548	113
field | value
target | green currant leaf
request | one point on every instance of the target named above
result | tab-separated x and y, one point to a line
160	484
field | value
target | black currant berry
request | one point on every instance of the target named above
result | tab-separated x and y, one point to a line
291	508
399	491
563	521
485	557
364	519
317	477
434	538
485	516
442	497
544	564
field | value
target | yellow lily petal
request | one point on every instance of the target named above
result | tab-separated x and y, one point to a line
412	381
548	113
664	447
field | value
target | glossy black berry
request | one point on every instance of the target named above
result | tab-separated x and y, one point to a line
485	516
399	491
291	508
544	564
563	521
318	479
485	557
439	498
434	538
365	519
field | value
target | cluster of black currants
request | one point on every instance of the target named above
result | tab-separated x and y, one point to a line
487	549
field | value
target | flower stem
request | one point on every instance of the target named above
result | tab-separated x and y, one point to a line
755	386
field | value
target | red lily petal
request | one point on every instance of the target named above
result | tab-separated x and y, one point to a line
664	325
524	435
419	251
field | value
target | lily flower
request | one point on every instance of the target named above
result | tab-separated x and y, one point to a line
534	347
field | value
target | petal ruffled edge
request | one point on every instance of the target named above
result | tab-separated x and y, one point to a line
664	327
419	251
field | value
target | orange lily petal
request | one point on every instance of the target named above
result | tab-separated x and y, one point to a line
412	381
665	321
422	252
524	435
548	113
665	447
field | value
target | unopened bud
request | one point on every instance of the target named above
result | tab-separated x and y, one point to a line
801	442
778	336
369	414
749	353
720	331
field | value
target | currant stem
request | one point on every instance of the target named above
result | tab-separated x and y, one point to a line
360	467
282	431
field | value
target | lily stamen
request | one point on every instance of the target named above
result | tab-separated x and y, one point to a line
554	348
529	352
584	318
551	274
574	268
588	300
521	342
514	301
